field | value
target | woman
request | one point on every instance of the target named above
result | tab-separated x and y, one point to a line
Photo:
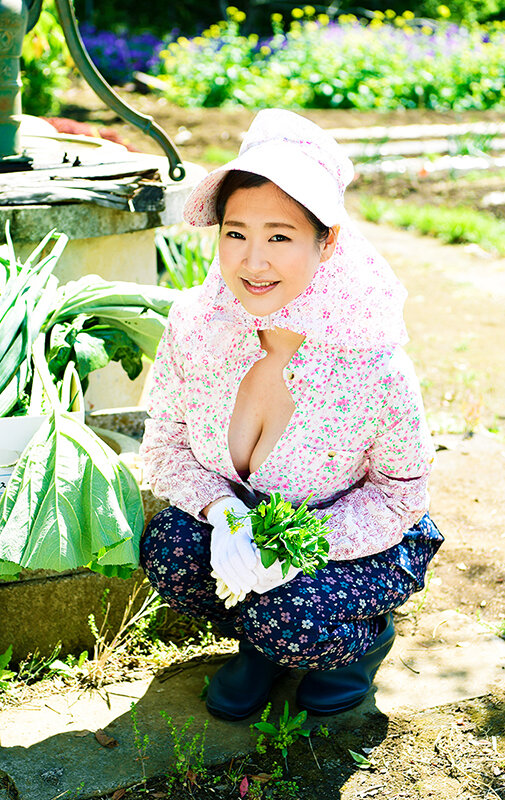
284	371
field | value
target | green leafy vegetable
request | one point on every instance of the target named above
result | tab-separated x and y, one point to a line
69	503
295	537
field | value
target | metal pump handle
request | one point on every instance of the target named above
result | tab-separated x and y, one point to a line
100	86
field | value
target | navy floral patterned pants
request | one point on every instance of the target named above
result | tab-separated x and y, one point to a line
317	623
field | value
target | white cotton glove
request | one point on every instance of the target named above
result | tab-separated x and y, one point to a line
271	577
233	556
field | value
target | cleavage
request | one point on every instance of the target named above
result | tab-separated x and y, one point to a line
262	412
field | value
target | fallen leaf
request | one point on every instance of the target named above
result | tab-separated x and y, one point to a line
261	777
191	776
81	734
104	739
244	786
118	794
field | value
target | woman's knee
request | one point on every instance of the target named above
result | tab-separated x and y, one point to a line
174	547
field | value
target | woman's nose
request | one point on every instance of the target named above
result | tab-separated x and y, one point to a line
255	257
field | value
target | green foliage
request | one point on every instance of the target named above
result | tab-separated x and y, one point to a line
47	65
5	674
186	258
141	742
283	735
388	62
295	537
453	225
188	752
70	502
361	761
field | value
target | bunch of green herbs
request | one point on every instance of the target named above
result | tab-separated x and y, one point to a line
293	536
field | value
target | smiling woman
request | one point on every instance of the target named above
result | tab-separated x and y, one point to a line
268	248
284	372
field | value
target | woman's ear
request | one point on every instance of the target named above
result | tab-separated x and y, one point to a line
328	248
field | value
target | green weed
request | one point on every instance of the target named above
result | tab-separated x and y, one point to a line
141	742
282	736
186	258
6	674
457	225
188	752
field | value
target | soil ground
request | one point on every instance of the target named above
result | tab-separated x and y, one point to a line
457	326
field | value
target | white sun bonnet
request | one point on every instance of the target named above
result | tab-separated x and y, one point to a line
302	159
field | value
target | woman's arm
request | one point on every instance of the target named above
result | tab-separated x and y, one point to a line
171	468
394	496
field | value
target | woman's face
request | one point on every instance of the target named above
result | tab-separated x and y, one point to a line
268	249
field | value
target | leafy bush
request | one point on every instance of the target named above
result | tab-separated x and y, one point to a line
192	16
391	62
47	65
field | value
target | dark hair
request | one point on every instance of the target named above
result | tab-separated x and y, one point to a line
239	179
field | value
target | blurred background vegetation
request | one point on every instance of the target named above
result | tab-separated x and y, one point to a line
192	16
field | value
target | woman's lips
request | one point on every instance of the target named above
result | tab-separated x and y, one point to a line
259	287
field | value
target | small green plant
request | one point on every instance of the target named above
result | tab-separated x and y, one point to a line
188	752
361	761
458	225
6	674
141	742
185	257
107	647
36	667
282	736
205	688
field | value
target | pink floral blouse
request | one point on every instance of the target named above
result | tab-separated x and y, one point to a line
358	419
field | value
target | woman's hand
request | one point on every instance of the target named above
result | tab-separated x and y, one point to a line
271	577
233	556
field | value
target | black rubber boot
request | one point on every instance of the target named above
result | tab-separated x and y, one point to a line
325	692
242	685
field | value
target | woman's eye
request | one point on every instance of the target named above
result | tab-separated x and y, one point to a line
235	235
279	237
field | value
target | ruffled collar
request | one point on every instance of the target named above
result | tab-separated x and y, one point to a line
354	301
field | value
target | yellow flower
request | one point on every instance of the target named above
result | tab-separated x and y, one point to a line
265	50
408	15
323	19
378	14
253	38
295	25
390	14
297	13
198	40
426	30
444	11
295	34
231	11
214	31
399	22
309	11
276	17
239	16
182	41
408	30
376	23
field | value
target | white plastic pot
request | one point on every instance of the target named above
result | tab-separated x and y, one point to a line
15	433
